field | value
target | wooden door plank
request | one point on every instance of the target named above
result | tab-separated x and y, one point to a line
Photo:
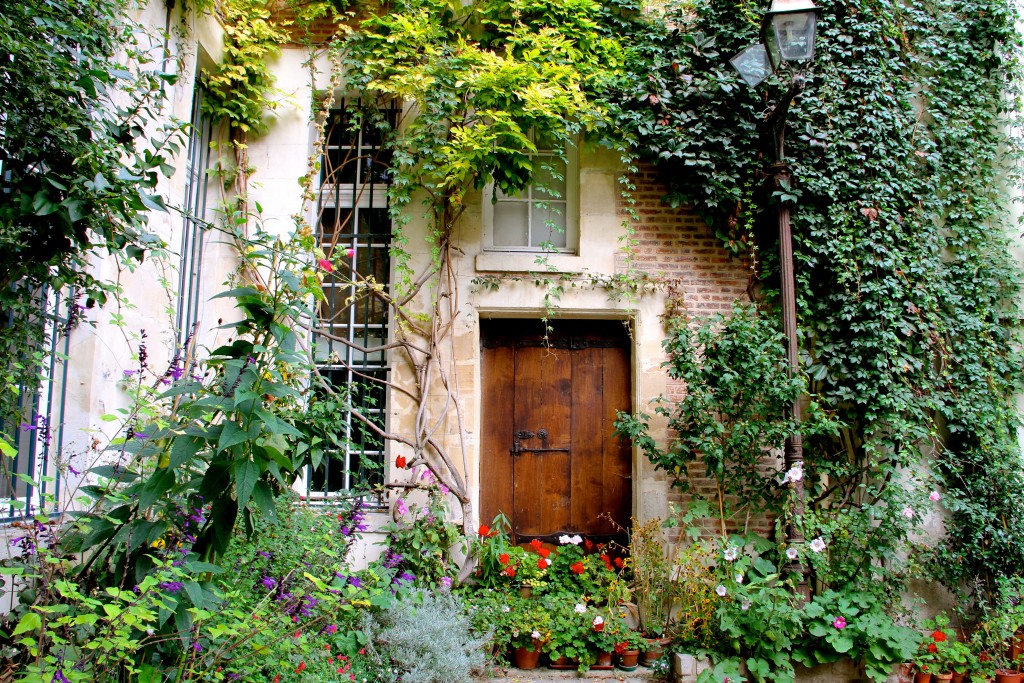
587	438
617	456
543	380
497	376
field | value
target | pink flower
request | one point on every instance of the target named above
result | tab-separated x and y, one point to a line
934	496
908	513
401	507
350	252
325	264
839	623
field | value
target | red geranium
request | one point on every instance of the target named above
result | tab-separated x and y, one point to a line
932	647
509	571
484	530
400	462
577	568
542	563
543	552
503	558
620	648
939	636
536	544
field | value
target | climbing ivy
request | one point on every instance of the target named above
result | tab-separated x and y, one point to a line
906	286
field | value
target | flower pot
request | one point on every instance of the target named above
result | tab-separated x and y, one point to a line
655	650
603	661
942	678
905	673
1007	676
525	658
628	659
958	678
922	677
562	663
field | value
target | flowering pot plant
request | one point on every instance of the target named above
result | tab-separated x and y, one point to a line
571	625
529	624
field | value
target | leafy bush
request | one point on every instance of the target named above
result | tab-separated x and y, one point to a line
425	639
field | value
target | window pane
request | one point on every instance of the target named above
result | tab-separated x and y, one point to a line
549	178
511	224
548	224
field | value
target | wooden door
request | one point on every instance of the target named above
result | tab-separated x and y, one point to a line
550	461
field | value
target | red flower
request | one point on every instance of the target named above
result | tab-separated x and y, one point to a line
277	679
932	647
326	265
588	544
618	562
542	563
939	636
620	648
509	571
400	462
300	668
503	558
544	552
535	544
577	568
484	530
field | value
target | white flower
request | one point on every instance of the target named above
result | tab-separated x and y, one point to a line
598	620
934	496
580	608
150	632
817	545
564	539
739	578
792	553
731	553
506	609
535	635
576	540
795	473
908	512
745	606
721	591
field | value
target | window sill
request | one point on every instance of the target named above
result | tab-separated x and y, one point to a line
526	262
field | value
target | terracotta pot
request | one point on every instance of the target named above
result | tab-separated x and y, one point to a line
628	659
905	673
562	663
958	678
603	662
942	678
1007	676
655	650
922	677
525	658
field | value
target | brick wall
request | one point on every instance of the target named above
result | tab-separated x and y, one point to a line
676	244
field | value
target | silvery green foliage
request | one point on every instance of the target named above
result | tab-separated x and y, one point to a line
426	638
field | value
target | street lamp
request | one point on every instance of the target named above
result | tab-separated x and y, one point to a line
788	32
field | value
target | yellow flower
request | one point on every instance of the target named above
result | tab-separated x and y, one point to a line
158	543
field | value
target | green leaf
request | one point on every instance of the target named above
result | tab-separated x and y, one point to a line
30	621
246	473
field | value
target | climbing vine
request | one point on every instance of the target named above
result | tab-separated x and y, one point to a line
906	288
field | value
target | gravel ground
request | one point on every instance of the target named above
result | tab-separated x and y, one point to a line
543	674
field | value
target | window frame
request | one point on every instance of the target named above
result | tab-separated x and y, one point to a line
572	209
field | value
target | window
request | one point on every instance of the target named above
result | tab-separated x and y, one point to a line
544	216
354	225
31	480
193	230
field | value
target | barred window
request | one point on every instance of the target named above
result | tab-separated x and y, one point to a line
354	229
190	265
31	481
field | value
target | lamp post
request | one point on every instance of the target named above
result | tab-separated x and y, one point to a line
788	35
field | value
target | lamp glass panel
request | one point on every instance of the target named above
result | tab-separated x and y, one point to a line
793	35
752	64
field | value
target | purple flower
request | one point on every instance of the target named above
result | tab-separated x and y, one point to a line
392	559
128	373
73	471
355	582
269	583
401	507
406	577
839	623
59	677
446	582
26	427
176	372
172	587
196	646
264	554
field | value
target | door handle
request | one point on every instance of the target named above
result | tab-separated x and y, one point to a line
542	450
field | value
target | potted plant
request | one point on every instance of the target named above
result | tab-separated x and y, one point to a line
628	649
530	627
652	583
571	621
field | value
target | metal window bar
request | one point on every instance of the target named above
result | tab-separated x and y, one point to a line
190	265
352	212
39	438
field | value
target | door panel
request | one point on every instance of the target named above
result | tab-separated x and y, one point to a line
550	461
